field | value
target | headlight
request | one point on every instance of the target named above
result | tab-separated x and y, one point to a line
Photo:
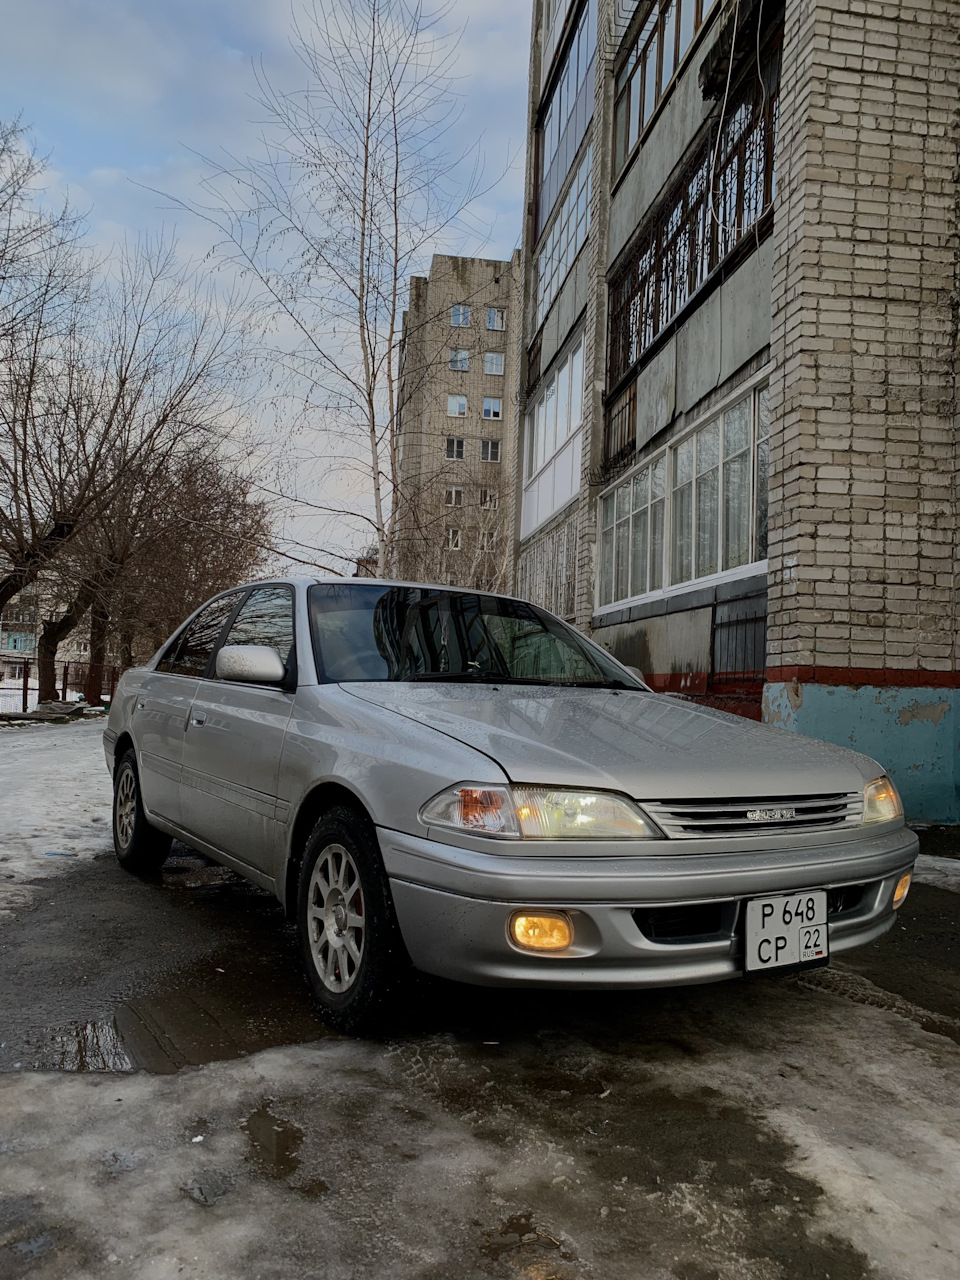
538	813
547	814
881	802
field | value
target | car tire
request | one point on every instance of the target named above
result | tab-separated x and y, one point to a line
139	847
353	953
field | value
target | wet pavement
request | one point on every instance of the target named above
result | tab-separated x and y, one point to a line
172	1106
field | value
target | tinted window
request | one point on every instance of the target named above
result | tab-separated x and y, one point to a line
191	655
421	633
266	618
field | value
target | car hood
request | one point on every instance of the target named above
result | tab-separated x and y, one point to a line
651	746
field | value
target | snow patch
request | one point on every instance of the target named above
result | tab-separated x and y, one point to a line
54	799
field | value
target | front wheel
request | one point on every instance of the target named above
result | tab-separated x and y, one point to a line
139	847
352	950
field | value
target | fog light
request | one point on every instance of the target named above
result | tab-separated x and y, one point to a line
544	931
902	889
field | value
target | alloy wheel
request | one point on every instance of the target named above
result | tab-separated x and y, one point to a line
335	918
125	806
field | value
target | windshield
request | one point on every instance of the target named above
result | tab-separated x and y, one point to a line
422	633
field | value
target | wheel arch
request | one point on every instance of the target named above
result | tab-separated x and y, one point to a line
122	745
318	801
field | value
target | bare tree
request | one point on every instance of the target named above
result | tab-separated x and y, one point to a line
33	238
96	384
353	188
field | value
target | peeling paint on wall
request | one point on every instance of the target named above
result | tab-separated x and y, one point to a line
911	732
932	711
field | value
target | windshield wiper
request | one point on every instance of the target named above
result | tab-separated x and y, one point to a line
491	677
462	677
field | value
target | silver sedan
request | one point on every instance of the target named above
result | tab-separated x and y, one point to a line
459	783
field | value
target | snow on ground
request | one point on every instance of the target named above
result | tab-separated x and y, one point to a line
54	800
943	873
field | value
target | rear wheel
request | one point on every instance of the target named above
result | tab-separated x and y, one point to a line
352	950
140	847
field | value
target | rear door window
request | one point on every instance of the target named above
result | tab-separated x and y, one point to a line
266	618
190	656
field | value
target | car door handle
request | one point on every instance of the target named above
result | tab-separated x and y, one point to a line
198	717
140	705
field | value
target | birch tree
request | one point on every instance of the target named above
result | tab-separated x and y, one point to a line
354	187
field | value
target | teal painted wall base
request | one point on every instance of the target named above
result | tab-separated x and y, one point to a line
912	732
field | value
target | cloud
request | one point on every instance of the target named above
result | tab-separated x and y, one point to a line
126	97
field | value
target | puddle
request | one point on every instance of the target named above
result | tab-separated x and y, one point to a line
275	1142
195	968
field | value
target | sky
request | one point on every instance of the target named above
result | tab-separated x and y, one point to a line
126	96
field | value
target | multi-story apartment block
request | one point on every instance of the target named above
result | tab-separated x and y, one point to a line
457	424
739	359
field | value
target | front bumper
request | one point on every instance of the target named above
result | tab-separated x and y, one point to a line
453	906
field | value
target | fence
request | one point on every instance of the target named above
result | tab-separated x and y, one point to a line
93	683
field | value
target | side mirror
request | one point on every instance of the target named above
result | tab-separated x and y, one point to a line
250	664
634	671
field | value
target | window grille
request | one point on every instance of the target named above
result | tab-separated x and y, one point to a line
699	225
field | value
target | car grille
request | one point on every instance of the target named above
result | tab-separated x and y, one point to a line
697	819
687	922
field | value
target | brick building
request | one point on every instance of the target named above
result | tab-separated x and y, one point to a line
742	217
457	421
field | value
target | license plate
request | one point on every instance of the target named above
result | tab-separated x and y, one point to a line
790	930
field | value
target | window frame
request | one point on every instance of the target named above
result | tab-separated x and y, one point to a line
631	68
495	405
488	446
751	390
289	682
494	355
171	649
459	400
498	313
459	360
456	490
458	452
460	315
454	539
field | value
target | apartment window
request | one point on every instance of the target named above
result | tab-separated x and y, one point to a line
489	499
492	407
696	509
496	318
488	539
453	539
454	497
460	316
456	406
565	238
489	450
700	223
650	65
455	448
557	412
493	362
568	114
459	359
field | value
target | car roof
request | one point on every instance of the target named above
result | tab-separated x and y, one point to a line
330	580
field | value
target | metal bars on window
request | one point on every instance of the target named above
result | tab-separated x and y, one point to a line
720	196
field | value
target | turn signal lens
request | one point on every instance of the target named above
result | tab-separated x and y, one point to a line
543	931
470	806
902	889
881	802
